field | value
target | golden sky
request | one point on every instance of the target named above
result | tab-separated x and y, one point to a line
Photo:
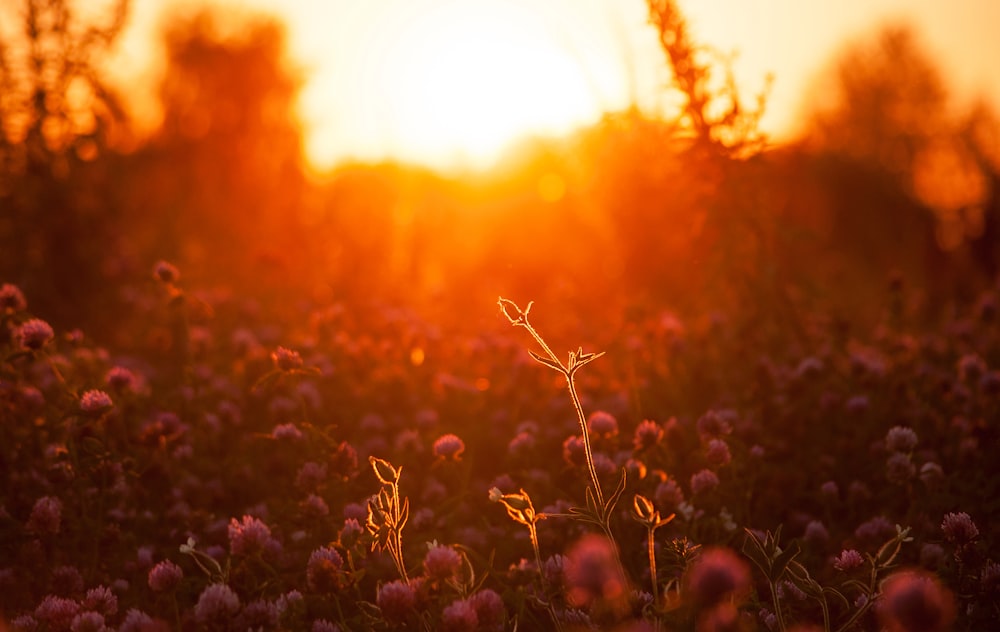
453	82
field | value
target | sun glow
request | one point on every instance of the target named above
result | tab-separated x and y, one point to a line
457	82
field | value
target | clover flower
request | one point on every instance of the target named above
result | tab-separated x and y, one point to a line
45	516
647	434
12	299
164	576
442	562
592	573
900	439
602	424
899	468
848	560
959	528
396	600
121	380
489	609
56	612
286	359
88	622
704	481
94	402
713	424
34	334
459	616
574	451
138	621
716	574
914	601
165	272
323	572
250	536
717	452
217	606
449	447
101	599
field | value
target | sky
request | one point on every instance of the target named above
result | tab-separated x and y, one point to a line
454	82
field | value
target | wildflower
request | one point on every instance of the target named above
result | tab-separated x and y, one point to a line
989	577
959	528
344	460
217	605
848	560
899	469
67	581
574	451
592	572
602	425
95	402
647	434
45	515
12	299
101	599
816	533
489	609
121	380
286	432
522	445
35	334
323	572
286	359
900	439
88	622
56	613
914	601
250	536
259	614
165	273
668	495
716	574
713	425
314	506
164	576
449	447
310	476
718	453
441	562
703	482
459	616
396	601
350	532
24	623
138	621
829	490
322	625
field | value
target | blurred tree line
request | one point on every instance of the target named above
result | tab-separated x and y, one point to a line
695	211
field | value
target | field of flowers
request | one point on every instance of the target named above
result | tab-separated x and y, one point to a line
362	469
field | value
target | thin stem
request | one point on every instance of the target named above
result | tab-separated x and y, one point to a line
586	439
652	564
777	607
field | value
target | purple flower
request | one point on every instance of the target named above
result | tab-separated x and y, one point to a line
35	334
322	625
449	447
12	299
101	599
900	439
899	469
959	528
442	562
459	616
314	507
250	536
286	432
122	380
848	560
914	601
259	614
489	609
717	574
829	490
323	572
575	451
217	605
874	530
713	425
703	481
602	424
668	495
647	434
816	533
592	572
396	600
350	532
95	402
165	272
717	452
88	622
139	621
56	613
164	576
45	516
286	359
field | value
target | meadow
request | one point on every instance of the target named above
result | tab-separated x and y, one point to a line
660	375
